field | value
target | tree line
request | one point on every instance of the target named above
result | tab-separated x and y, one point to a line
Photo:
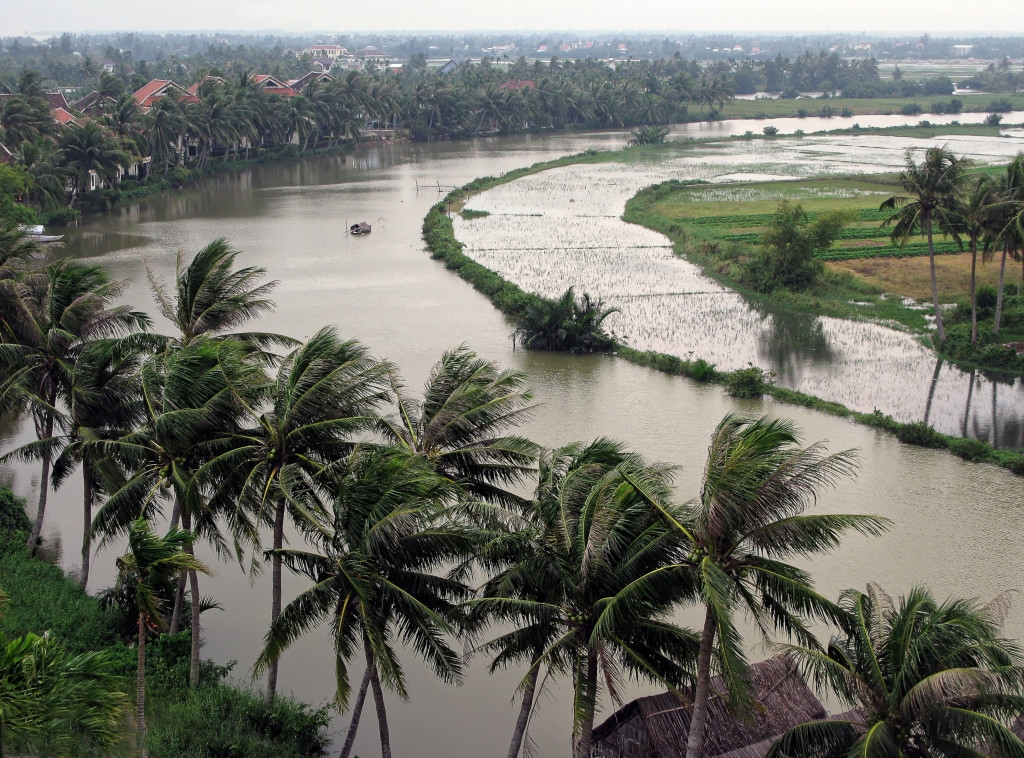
403	498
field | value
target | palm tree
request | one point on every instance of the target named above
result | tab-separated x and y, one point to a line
326	391
151	561
934	188
374	576
1010	216
89	148
748	519
588	578
459	427
51	316
570	323
976	219
193	398
212	297
925	678
53	702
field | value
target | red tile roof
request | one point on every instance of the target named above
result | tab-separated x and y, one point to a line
62	116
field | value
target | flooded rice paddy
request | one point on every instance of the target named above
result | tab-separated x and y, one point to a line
384	289
563	226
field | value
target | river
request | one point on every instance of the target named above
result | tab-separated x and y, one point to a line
957	525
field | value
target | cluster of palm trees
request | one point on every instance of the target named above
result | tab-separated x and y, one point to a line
580	553
985	211
236	114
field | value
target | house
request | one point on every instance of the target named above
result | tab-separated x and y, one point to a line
158	89
324	65
313	76
94	104
62	116
194	88
108	65
326	51
371	53
519	85
274	86
658	725
56	100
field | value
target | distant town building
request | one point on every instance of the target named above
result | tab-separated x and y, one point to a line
326	51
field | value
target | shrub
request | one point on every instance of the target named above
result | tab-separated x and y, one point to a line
919	433
910	109
993	119
770	131
801	113
1002	105
750	382
649	135
970	449
702	371
61	216
846	113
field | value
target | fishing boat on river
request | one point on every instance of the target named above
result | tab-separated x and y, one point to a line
35	233
360	228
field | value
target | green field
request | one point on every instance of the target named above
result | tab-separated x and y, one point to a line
883	105
740	212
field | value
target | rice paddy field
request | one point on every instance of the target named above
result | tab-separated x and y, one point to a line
562	227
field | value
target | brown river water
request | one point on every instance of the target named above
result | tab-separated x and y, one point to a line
957	525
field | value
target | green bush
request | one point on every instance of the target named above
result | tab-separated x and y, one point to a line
750	382
910	109
15	525
919	433
970	449
61	216
702	371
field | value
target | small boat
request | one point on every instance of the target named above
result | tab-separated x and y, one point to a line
361	228
35	233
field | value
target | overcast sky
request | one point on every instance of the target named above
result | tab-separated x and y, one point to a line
324	16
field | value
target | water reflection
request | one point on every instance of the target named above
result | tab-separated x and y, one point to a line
790	341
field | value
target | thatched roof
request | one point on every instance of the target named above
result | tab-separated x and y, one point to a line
657	726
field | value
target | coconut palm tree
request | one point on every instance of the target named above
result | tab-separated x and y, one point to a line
374	574
51	316
1010	217
53	702
459	426
570	323
89	148
151	561
747	522
924	679
587	578
326	391
193	398
934	188
976	219
210	298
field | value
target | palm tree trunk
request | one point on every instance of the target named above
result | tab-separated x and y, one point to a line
87	518
44	484
999	294
939	331
140	688
193	577
378	701
586	738
974	299
357	712
695	739
524	712
275	594
179	594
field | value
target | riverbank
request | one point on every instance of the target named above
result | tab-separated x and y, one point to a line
215	718
439	235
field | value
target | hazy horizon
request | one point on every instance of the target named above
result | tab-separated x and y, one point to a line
321	17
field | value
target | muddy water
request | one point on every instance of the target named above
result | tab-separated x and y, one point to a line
386	291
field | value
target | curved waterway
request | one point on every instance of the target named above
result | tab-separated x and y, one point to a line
957	525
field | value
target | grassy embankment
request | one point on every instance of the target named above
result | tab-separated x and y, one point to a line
439	235
860	107
214	720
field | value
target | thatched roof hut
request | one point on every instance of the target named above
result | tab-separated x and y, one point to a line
657	726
